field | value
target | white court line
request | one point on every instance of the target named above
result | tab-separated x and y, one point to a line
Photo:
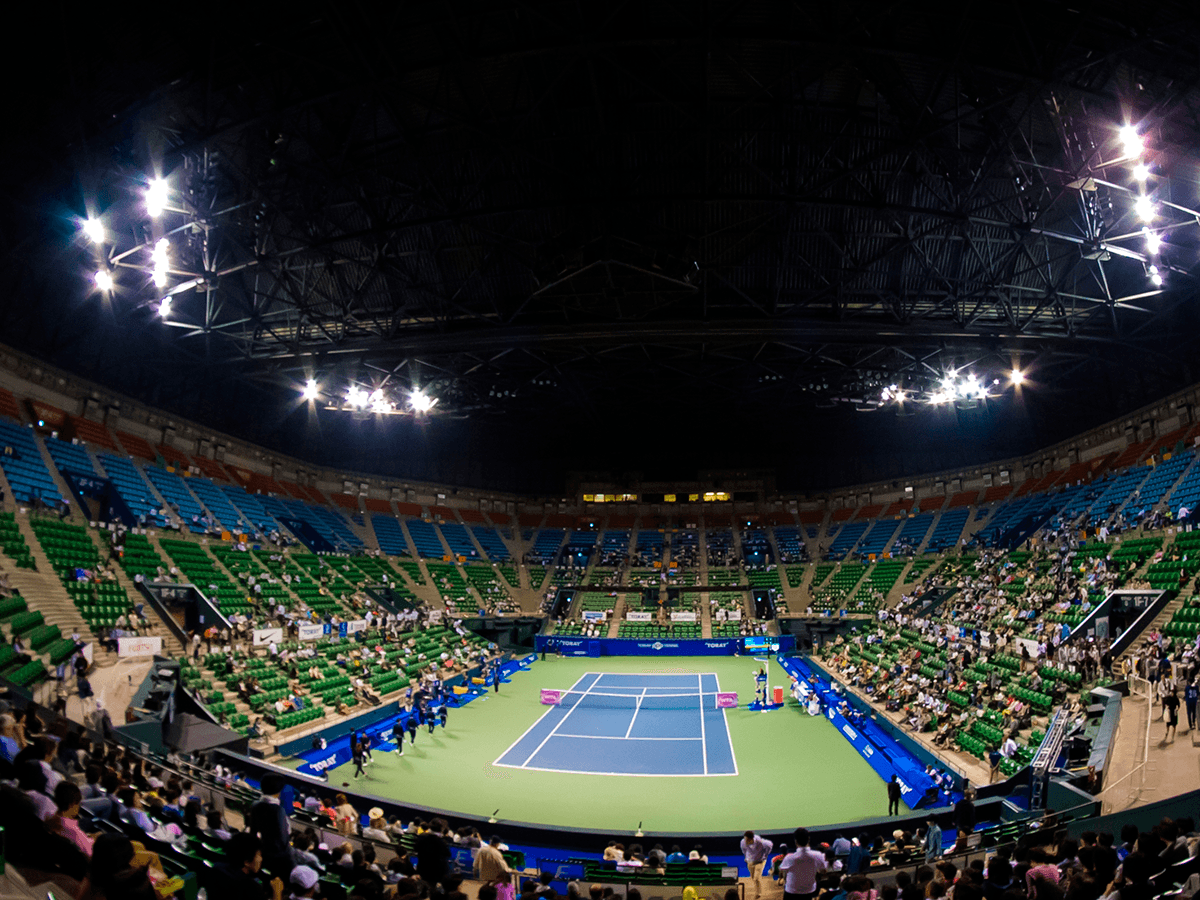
560	723
539	719
613	737
619	774
728	737
703	736
636	709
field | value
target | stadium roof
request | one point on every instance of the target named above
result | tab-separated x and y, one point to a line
642	236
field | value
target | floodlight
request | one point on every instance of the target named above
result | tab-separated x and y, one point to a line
1141	171
104	280
164	307
1153	241
94	229
422	402
380	403
1156	279
156	197
1017	377
310	390
159	278
1131	140
357	397
1144	207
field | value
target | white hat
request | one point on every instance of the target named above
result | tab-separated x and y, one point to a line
304	877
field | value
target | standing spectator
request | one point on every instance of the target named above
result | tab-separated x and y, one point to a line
1170	713
893	793
800	869
433	854
964	813
933	840
756	850
493	869
269	821
347	816
1191	694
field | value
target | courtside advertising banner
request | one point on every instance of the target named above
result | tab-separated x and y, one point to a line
139	646
312	632
356	626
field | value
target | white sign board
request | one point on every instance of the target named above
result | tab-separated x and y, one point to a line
263	636
139	646
311	632
356	626
637	617
683	617
734	614
593	615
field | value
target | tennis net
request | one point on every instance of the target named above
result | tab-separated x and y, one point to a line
608	700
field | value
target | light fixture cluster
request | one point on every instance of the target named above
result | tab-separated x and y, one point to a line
357	398
156	197
952	387
1144	207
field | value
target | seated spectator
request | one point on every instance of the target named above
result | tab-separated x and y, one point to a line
32	780
67	800
112	874
215	826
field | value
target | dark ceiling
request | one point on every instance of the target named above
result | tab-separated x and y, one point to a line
637	237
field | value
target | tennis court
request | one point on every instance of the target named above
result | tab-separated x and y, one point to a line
630	724
791	768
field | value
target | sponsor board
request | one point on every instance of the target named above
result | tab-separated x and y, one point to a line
139	646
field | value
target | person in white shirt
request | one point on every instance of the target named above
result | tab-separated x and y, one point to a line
800	869
1009	748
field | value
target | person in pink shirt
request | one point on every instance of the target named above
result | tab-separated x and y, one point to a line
1042	870
68	797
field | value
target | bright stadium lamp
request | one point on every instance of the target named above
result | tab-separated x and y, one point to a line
1141	172
310	391
104	280
94	229
1131	141
156	197
357	397
422	402
1144	207
380	403
164	307
1017	377
1153	241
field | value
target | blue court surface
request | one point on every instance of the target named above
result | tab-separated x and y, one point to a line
613	724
